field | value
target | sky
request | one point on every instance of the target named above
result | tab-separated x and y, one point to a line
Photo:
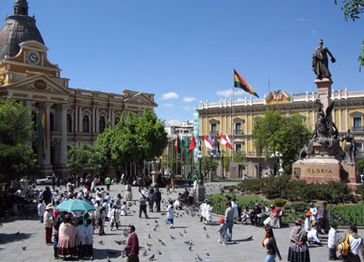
184	51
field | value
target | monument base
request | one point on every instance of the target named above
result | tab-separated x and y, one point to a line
200	193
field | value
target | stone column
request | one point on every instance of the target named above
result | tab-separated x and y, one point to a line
45	145
324	91
63	129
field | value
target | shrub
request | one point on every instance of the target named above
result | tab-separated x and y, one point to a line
279	202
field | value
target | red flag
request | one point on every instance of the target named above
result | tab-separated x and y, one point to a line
178	148
192	144
225	140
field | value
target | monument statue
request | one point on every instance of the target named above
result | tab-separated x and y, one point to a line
349	148
320	62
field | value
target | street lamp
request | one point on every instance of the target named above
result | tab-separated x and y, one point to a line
199	157
200	188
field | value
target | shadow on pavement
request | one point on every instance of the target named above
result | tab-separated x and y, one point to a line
7	238
106	253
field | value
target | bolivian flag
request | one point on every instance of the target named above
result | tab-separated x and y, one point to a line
240	82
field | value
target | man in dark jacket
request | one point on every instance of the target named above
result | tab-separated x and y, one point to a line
158	199
132	247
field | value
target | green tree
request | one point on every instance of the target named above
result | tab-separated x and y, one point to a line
16	157
80	158
209	163
352	11
276	132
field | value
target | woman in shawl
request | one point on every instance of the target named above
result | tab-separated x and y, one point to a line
298	249
67	237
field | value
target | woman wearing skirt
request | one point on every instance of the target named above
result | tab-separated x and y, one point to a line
67	238
298	250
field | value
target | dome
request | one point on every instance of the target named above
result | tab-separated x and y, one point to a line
18	28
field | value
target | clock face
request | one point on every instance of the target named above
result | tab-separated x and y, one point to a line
33	58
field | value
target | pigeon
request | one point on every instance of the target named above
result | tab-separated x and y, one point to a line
156	221
190	248
145	253
149	236
207	253
185	231
122	242
172	237
149	245
163	244
204	228
207	235
147	224
199	258
101	242
17	233
180	234
152	257
159	252
24	248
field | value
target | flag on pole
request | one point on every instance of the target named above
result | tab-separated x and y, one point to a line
225	140
192	143
217	142
240	82
177	145
209	143
213	141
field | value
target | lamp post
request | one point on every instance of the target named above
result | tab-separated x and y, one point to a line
200	188
222	164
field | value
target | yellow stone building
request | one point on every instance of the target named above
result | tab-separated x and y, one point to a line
237	120
72	115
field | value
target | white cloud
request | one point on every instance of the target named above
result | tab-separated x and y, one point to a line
169	95
188	108
229	92
168	105
189	99
173	122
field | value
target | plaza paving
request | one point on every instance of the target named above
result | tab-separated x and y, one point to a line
23	240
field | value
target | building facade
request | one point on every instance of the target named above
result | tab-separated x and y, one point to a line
63	116
237	119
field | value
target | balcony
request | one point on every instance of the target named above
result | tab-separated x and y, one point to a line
358	129
238	132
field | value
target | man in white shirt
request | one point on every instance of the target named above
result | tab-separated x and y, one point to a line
356	245
332	242
312	235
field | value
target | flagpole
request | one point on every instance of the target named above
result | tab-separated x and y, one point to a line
232	127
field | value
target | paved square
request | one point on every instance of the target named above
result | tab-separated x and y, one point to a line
187	227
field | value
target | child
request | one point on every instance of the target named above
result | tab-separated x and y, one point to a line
332	242
41	209
170	214
222	231
245	216
115	217
124	209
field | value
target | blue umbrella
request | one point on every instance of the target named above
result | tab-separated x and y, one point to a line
73	205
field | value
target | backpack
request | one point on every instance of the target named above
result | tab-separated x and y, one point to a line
344	247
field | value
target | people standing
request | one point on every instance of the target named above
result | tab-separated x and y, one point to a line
356	246
170	214
222	231
108	182
158	199
332	242
229	220
270	245
151	199
132	248
67	238
322	216
47	195
298	249
41	209
115	218
48	223
128	193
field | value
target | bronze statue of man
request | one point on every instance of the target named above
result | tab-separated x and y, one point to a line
320	61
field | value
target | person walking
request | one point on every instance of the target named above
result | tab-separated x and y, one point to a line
158	199
151	199
108	182
128	193
298	250
229	220
270	245
132	248
170	214
48	223
322	216
142	204
41	209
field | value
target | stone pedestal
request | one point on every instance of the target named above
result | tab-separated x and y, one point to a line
317	170
352	173
200	193
324	91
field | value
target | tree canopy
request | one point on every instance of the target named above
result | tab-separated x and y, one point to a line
352	11
277	132
16	157
133	139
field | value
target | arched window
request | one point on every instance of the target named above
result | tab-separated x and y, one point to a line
117	120
51	120
69	123
102	124
86	124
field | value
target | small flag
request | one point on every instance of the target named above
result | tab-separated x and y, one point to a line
192	143
225	140
240	82
208	143
217	143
